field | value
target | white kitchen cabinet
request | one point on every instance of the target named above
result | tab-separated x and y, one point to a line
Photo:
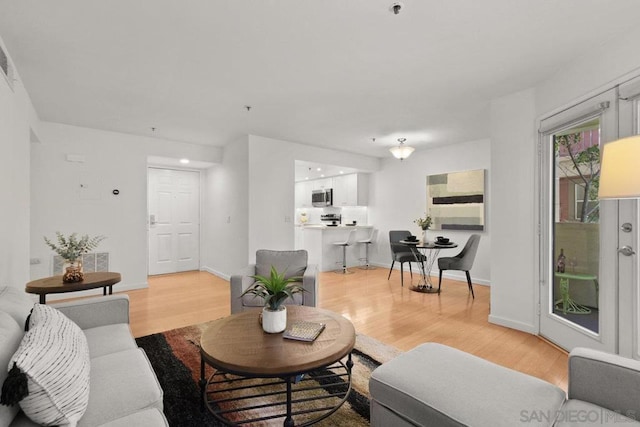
303	194
350	190
321	184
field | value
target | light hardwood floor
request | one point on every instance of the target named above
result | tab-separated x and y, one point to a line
379	308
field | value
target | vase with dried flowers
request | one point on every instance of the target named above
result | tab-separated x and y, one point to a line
71	248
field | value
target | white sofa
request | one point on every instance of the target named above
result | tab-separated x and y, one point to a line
124	390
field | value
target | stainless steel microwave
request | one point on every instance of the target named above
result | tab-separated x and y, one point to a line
320	198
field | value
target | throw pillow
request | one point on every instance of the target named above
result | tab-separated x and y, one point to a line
53	362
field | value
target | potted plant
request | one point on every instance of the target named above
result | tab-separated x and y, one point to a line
424	224
71	249
274	289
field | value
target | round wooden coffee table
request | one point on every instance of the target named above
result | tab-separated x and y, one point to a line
55	285
301	373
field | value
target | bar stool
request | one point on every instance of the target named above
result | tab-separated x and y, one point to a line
350	241
366	242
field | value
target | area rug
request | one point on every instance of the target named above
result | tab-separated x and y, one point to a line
175	357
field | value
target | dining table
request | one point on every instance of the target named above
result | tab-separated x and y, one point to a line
427	252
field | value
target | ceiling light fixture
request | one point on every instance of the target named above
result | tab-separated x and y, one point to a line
396	7
184	161
401	151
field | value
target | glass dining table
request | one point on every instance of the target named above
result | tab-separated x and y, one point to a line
426	254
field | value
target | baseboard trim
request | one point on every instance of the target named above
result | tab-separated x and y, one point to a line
520	326
448	274
215	272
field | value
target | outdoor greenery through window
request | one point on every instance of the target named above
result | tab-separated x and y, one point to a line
576	233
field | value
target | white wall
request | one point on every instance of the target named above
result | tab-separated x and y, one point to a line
513	148
271	187
111	161
398	196
226	212
514	292
17	120
600	67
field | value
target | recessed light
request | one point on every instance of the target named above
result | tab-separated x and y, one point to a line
341	172
319	169
184	161
321	175
306	177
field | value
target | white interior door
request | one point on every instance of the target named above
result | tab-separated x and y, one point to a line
174	220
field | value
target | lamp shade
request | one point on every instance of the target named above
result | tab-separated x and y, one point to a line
620	169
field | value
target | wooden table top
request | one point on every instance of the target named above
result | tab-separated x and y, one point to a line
54	285
237	344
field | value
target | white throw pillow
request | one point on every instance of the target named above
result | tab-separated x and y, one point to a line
54	355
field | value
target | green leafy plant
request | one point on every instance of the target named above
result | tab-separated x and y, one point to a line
424	223
274	289
584	171
72	248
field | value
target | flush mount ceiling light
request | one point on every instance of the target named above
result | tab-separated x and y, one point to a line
401	151
184	161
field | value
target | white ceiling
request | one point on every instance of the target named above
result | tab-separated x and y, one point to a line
330	73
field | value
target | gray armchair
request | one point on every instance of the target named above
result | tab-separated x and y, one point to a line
463	261
294	263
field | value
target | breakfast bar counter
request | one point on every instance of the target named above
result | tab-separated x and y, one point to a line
318	241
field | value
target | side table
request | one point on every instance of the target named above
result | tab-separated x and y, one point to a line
566	302
55	285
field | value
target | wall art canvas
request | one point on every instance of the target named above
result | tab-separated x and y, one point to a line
455	200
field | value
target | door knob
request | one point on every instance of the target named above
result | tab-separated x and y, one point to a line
626	251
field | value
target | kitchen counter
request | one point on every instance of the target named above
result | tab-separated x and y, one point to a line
329	227
318	240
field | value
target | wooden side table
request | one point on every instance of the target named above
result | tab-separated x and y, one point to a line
54	285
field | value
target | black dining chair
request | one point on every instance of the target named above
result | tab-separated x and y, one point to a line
402	253
463	261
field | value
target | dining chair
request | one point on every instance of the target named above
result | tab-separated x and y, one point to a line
462	262
402	253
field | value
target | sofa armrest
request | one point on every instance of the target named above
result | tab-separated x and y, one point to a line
310	285
99	311
604	379
239	283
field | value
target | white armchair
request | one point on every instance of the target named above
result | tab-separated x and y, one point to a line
293	263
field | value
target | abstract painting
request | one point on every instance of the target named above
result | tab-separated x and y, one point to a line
455	200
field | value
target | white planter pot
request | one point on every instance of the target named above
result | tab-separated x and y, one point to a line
274	322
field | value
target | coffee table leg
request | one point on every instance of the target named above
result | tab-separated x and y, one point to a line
288	422
203	383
